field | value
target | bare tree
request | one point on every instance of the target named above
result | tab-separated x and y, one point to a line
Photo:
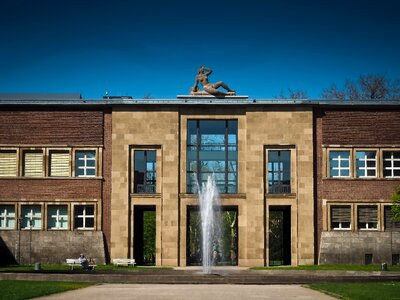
292	94
372	87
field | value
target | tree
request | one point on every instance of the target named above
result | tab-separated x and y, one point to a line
396	204
292	94
366	87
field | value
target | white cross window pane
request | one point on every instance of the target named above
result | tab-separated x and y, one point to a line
85	163
366	163
391	164
57	216
7	216
339	163
31	217
84	217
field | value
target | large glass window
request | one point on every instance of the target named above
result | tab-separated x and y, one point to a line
145	171
391	163
279	171
85	163
7	216
84	217
8	163
31	217
212	150
339	163
341	217
366	163
57	217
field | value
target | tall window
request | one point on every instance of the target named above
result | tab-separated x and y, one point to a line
145	171
341	217
8	163
212	150
339	163
366	163
33	163
31	217
57	217
84	217
368	217
7	216
279	171
391	163
59	163
85	163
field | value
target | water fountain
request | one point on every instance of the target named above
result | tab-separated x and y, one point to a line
210	221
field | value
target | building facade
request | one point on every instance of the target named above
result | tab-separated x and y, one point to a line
299	181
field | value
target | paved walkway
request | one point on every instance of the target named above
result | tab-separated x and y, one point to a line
191	291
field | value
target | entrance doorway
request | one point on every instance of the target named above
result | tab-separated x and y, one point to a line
226	245
144	241
279	236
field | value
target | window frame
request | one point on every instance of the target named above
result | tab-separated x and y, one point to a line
49	151
392	168
366	168
145	150
11	149
5	216
198	146
84	217
48	217
23	216
289	150
96	165
366	205
23	151
340	228
350	162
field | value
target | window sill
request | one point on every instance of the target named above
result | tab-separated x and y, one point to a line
221	196
362	178
145	195
291	195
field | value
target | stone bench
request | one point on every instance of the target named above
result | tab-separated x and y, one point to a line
124	262
72	262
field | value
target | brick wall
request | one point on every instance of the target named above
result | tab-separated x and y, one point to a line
51	127
49	189
364	127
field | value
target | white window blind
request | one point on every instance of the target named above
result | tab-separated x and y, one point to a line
60	163
33	163
8	163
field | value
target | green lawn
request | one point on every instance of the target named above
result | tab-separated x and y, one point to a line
21	289
360	291
332	268
45	267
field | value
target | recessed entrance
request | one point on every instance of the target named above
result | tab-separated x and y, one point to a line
279	236
226	246
144	241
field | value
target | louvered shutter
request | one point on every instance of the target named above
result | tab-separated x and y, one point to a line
368	214
33	164
59	164
341	214
8	163
389	223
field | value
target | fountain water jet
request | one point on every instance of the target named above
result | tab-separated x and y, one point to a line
210	220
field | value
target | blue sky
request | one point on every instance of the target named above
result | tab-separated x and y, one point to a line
154	48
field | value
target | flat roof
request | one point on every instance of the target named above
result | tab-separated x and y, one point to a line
75	99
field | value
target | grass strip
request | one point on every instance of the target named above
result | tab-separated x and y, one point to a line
23	289
332	268
359	291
